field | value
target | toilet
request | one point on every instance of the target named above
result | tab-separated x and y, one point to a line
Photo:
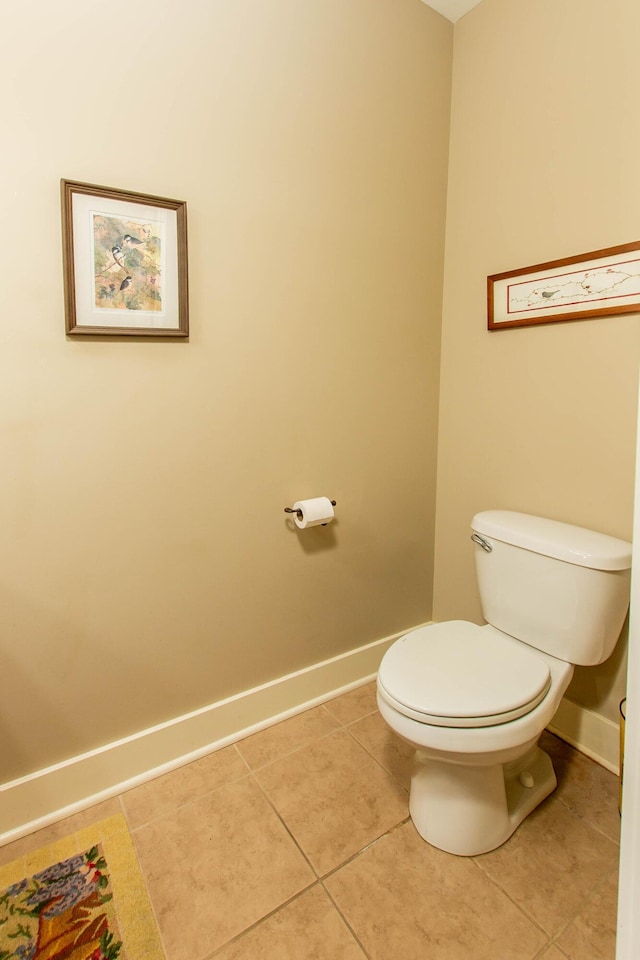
473	700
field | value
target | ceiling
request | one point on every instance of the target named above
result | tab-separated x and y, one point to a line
452	9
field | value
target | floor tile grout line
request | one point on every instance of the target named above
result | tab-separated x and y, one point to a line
123	811
285	825
542	953
263	919
143	874
346	726
291	753
323	876
597	887
373	757
237	750
551	937
584	819
341	728
512	899
250	774
196	798
250	771
347	723
358	853
335	870
346	922
549	940
318	881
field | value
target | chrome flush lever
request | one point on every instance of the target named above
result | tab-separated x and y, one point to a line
481	543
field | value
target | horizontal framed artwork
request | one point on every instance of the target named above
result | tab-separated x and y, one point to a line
596	284
125	262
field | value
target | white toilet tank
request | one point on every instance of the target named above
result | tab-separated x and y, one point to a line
561	589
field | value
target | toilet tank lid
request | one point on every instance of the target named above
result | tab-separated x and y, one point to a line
563	541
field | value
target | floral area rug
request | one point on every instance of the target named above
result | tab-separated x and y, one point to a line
81	898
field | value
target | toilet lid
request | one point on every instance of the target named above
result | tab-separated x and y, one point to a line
457	674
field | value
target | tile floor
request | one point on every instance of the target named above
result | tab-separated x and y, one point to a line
296	844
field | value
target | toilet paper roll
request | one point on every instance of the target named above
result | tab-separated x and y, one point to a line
313	512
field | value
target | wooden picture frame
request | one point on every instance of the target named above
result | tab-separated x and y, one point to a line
596	284
125	262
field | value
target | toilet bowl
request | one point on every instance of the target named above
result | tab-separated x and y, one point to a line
475	777
473	700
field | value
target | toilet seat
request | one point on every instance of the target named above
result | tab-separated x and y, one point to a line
457	674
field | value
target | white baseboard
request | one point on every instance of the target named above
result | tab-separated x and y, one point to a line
61	790
50	794
589	732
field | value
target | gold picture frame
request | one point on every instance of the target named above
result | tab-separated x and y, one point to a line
125	262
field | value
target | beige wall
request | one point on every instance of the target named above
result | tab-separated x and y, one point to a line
147	567
544	156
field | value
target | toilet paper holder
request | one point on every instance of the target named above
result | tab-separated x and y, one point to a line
299	512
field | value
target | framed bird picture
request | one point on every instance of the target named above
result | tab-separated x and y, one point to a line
596	284
125	263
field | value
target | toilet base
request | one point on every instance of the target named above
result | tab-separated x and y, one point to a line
468	810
